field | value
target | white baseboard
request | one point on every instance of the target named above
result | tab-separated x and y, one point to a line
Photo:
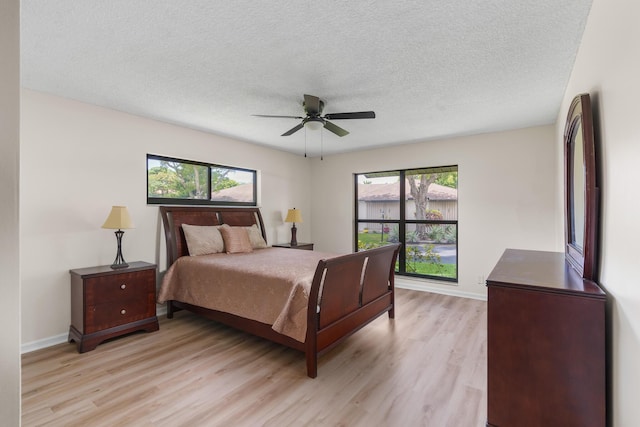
420	285
62	338
161	310
43	343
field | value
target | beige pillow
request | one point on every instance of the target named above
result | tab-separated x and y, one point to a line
255	237
236	239
203	239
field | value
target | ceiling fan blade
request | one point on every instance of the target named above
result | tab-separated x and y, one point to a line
357	115
293	130
312	104
281	117
335	129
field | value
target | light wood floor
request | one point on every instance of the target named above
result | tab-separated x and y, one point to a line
425	368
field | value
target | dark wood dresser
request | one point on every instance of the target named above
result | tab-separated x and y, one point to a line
107	303
546	344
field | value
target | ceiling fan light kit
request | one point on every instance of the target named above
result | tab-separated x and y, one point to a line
314	123
314	120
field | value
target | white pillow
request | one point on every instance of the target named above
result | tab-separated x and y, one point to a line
255	237
203	239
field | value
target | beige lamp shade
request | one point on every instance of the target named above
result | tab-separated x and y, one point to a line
293	215
118	218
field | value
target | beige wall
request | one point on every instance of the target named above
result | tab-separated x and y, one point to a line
78	160
607	66
9	218
507	197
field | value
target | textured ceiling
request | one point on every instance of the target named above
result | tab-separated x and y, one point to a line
428	68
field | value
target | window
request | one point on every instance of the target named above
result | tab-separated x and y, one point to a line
416	207
177	181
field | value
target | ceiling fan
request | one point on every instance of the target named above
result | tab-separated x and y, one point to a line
313	107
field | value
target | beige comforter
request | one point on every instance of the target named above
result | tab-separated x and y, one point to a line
268	285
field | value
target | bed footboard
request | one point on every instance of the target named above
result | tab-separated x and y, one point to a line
351	291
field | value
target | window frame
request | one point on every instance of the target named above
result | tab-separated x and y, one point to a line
402	222
209	201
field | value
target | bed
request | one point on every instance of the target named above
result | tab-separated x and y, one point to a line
318	299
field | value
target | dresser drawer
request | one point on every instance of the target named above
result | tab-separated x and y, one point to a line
119	287
115	313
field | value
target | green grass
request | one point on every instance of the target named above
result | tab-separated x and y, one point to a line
373	237
442	270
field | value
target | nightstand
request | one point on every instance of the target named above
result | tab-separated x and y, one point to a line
304	246
107	303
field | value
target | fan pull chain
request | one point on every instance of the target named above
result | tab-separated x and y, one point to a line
305	141
321	144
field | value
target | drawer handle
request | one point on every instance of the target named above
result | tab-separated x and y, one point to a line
123	286
123	311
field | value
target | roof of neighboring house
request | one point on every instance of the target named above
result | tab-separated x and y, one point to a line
239	193
385	192
366	192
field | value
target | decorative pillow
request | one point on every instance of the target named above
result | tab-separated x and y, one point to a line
255	237
203	239
236	239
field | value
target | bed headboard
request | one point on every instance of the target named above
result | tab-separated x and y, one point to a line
174	216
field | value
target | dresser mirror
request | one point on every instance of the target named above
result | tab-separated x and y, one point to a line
581	191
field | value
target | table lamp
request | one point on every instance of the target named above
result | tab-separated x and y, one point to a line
293	215
118	219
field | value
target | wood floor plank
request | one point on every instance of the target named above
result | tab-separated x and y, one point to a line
427	367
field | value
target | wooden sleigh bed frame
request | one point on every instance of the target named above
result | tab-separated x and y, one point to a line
356	288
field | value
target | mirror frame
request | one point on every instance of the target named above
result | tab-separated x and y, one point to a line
583	260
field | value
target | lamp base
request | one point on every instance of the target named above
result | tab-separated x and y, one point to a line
119	262
117	266
294	241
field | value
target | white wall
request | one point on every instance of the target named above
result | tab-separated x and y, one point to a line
78	160
507	197
607	66
9	217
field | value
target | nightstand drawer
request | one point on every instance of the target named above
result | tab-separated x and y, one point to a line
119	287
103	316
